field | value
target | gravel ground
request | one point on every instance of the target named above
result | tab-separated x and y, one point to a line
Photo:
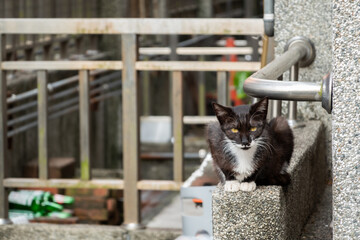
318	226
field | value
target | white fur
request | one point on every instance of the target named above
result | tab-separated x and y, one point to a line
244	158
247	186
232	186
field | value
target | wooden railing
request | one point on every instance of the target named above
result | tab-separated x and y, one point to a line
129	30
30	47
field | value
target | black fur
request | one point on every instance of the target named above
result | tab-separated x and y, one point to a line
276	149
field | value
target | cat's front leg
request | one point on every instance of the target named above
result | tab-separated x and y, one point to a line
247	186
232	186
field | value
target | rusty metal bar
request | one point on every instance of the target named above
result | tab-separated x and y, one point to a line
140	65
222	89
63	183
61	94
84	105
43	124
3	135
62	65
161	185
58	84
130	130
218	26
196	50
63	112
178	125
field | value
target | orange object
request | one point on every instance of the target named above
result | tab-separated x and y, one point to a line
232	58
196	200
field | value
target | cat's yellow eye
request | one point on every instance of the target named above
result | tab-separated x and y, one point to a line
253	129
234	130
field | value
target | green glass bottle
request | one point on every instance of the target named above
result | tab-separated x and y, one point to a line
62	199
36	201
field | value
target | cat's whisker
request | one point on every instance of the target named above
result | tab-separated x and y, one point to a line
264	144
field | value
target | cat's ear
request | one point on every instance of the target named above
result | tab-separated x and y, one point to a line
222	113
258	111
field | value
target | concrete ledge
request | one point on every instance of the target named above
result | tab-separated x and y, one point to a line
274	212
80	232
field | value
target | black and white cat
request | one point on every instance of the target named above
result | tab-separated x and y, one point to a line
247	150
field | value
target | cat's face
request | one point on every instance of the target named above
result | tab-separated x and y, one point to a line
242	124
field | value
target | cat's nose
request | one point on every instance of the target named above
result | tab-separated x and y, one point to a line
245	142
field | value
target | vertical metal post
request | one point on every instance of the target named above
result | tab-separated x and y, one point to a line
131	131
292	107
84	107
276	107
266	57
3	138
294	71
43	124
178	114
222	89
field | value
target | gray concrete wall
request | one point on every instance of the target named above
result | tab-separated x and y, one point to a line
311	19
80	232
346	119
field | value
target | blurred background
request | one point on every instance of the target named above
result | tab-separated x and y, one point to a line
106	105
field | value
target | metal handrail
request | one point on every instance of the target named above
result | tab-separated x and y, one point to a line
262	84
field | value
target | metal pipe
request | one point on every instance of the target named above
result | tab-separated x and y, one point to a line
260	84
62	112
276	105
269	17
294	71
59	105
67	92
51	87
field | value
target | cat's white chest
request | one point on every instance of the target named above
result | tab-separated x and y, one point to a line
244	160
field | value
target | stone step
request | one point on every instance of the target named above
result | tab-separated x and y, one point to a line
275	212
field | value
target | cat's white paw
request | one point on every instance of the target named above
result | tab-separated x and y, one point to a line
247	186
232	186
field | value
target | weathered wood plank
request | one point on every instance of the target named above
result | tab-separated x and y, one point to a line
222	89
61	65
42	124
160	185
140	65
213	26
91	184
196	50
63	183
197	66
84	106
130	129
178	125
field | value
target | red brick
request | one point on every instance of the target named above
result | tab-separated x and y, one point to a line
91	214
87	192
89	202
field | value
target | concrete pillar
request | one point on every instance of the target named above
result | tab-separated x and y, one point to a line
346	119
311	19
